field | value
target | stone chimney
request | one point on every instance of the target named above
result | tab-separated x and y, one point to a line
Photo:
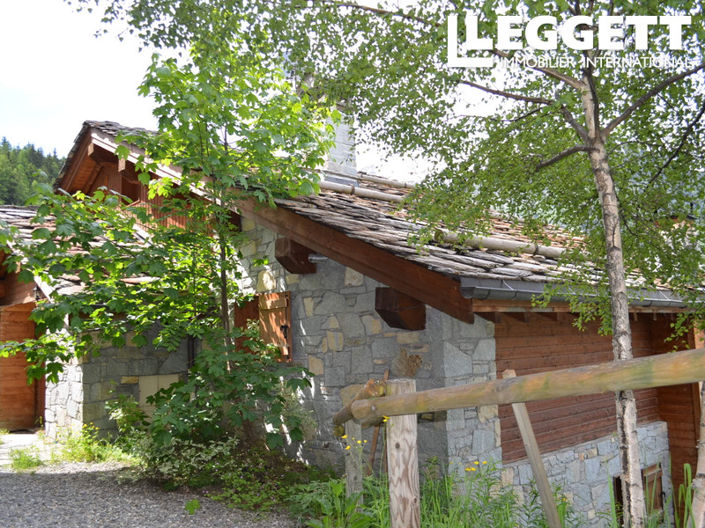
341	158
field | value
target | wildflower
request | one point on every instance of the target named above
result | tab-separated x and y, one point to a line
347	447
484	461
468	468
385	419
477	463
473	469
359	441
344	437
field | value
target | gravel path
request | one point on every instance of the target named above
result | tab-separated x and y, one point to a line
91	496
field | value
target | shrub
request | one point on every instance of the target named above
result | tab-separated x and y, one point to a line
85	446
23	459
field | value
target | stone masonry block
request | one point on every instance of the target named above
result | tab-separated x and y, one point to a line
331	303
455	363
335	341
485	350
373	325
353	278
315	365
352	326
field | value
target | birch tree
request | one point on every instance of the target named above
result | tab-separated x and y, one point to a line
595	127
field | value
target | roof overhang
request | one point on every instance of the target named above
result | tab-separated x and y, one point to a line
517	290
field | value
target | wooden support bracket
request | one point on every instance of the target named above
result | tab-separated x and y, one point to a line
293	256
399	310
101	155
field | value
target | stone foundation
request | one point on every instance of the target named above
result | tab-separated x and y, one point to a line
584	471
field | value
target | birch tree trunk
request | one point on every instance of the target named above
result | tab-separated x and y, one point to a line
632	487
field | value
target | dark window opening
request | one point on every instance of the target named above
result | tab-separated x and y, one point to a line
651	478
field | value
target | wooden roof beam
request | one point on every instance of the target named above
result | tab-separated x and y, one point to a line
399	310
293	256
101	155
429	287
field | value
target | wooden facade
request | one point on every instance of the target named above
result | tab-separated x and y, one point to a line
539	344
21	404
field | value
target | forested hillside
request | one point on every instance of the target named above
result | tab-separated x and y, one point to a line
20	167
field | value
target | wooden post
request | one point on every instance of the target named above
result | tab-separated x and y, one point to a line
353	460
548	502
404	495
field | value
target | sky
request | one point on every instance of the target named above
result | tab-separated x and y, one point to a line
55	74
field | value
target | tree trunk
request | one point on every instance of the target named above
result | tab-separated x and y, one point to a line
698	519
632	487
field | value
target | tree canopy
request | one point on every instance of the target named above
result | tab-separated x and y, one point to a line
21	167
236	130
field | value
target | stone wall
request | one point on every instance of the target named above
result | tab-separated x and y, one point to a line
584	471
87	384
64	401
340	338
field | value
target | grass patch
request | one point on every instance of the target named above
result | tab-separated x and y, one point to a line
474	499
25	459
86	446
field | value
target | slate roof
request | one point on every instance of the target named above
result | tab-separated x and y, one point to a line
381	223
21	218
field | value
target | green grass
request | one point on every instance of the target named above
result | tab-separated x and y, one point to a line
25	459
471	500
86	446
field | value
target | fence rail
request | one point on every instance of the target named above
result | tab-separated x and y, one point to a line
663	370
402	403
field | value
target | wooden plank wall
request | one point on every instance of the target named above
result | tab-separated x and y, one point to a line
679	406
17	292
20	404
542	344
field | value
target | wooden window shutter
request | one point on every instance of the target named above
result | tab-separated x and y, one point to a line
273	311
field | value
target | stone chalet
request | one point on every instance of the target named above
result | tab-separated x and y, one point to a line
346	295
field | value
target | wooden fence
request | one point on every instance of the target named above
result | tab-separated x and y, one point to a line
401	403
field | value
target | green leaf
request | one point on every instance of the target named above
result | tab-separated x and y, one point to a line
25	276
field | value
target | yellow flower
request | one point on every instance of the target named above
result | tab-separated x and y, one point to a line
385	419
468	468
344	437
359	441
347	447
473	469
484	461
477	463
365	441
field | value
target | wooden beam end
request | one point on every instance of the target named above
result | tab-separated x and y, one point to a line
293	256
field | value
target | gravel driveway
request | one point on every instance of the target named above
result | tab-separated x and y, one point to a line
90	496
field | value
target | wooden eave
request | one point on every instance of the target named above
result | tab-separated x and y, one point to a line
78	175
429	287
